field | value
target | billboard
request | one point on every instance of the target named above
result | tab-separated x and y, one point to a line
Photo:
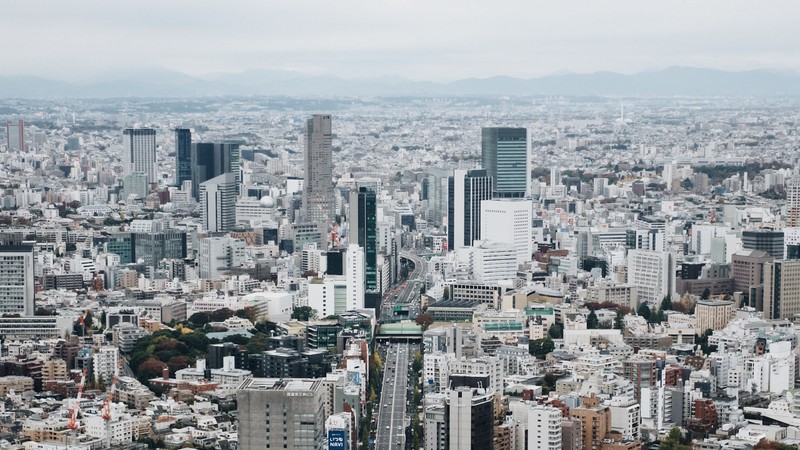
336	440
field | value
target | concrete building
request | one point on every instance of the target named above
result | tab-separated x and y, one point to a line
712	314
16	283
625	417
210	160
748	268
653	273
283	414
139	152
493	261
469	414
769	241
218	203
218	254
544	428
15	135
595	423
509	222
104	364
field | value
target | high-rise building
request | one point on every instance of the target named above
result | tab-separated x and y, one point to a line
139	152
209	160
218	203
466	190
469	415
355	270
781	289
509	222
595	424
769	241
318	199
15	134
641	373
493	262
544	428
153	247
183	155
437	197
748	268
653	273
218	254
364	232
504	155
281	414
16	283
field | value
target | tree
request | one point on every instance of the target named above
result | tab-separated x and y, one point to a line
424	320
592	322
88	320
666	303
220	315
644	311
618	321
198	319
417	364
556	331
446	293
250	313
541	347
149	369
706	294
302	313
673	441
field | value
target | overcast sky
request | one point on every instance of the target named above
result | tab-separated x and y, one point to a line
419	39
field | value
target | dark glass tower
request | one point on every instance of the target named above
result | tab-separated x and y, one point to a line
504	155
212	160
364	232
466	190
183	155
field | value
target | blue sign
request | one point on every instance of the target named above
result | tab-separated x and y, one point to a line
336	439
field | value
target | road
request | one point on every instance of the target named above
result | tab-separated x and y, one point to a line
407	294
391	425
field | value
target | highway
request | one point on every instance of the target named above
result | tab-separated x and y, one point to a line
391	423
407	293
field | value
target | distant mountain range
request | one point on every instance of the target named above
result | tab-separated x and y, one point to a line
670	82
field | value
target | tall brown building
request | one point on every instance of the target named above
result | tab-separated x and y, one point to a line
571	434
595	422
748	268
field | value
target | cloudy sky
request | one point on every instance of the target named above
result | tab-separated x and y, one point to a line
419	39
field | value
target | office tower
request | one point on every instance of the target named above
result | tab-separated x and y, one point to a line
437	197
318	200
466	190
183	155
781	289
212	160
281	414
15	134
469	415
16	284
493	262
218	203
216	255
135	183
509	221
595	424
555	176
153	247
355	267
364	232
765	240
544	428
653	273
504	155
139	152
793	202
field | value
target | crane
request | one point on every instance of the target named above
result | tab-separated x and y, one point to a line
73	412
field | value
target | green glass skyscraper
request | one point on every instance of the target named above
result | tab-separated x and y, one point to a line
504	155
364	232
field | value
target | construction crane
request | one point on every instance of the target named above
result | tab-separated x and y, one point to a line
76	406
106	414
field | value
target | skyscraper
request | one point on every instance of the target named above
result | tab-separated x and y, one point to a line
15	133
183	155
218	203
466	190
504	155
139	152
16	282
509	221
318	200
364	232
793	197
212	160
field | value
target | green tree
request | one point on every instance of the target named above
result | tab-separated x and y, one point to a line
541	347
416	366
706	294
592	322
88	320
446	294
673	441
302	313
666	303
198	319
644	311
618	321
556	331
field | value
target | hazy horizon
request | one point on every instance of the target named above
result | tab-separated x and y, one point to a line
431	41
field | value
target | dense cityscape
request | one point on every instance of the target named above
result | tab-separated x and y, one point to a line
399	273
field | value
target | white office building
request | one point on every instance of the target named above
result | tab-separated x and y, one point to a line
139	152
493	261
544	428
653	273
216	255
509	222
218	203
16	280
